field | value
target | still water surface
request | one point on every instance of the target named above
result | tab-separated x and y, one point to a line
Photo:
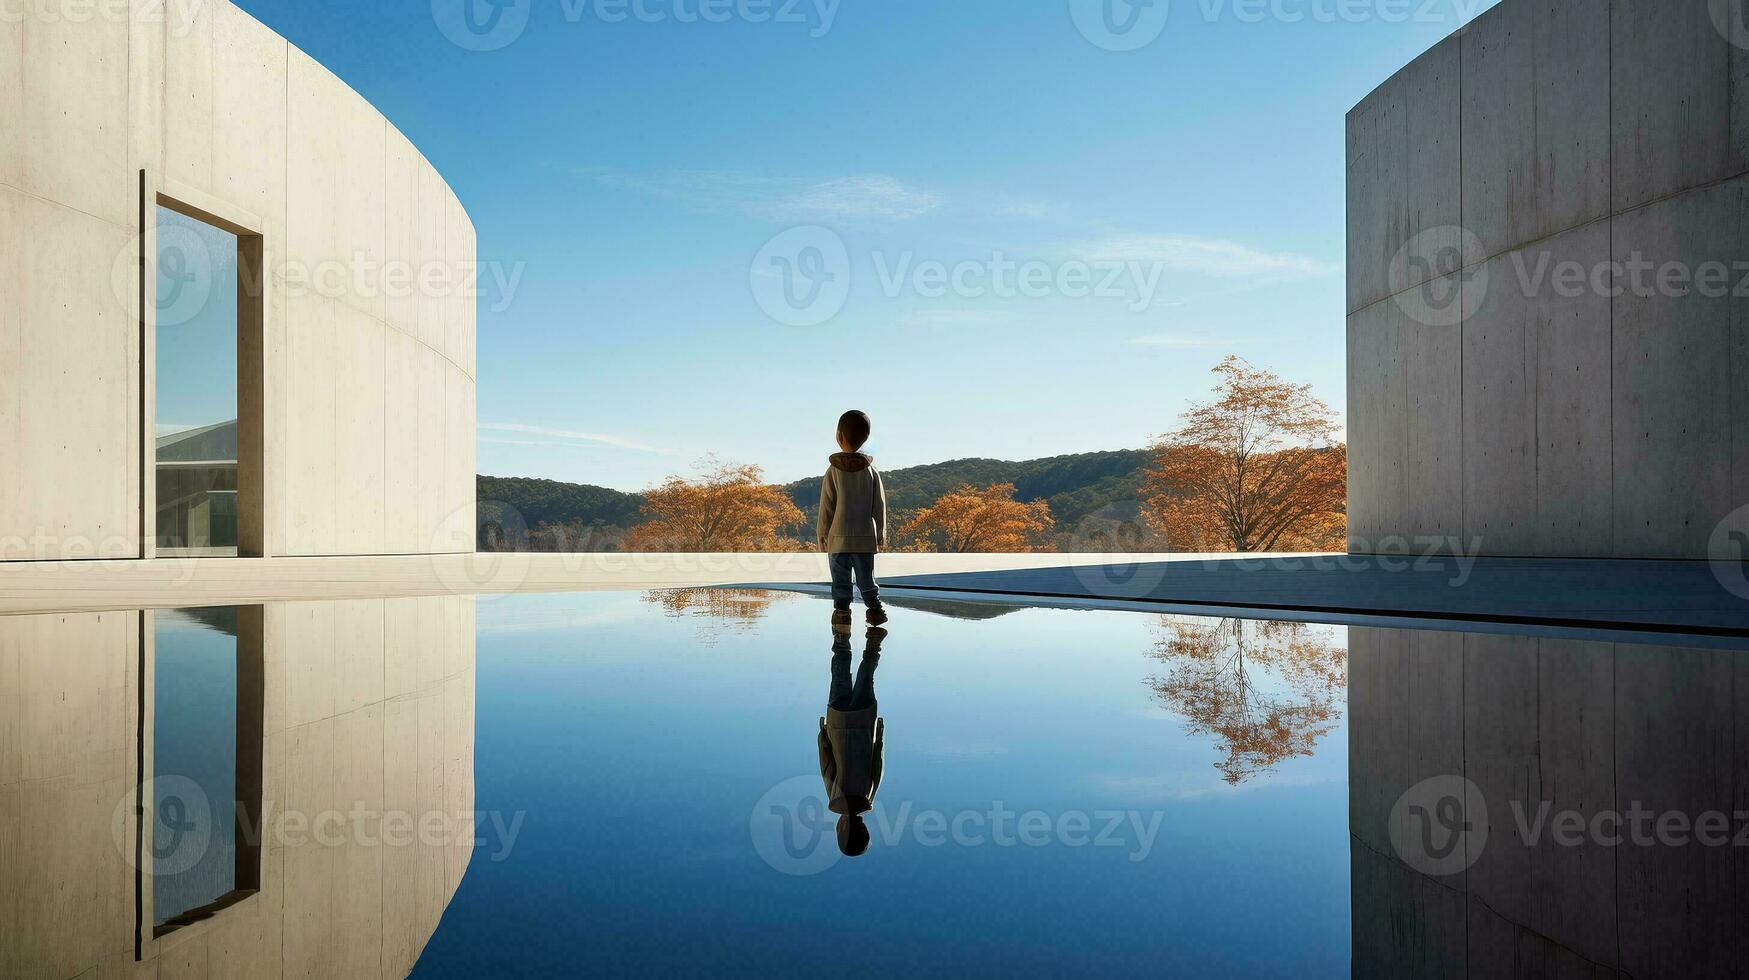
714	781
1061	790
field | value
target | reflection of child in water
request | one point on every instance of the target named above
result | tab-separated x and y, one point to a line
852	741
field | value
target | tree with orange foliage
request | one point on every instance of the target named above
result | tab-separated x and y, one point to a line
1269	691
729	508
985	520
1255	469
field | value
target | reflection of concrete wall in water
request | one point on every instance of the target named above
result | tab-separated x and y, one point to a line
369	705
1495	392
1585	726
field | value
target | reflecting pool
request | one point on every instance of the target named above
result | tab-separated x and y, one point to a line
713	780
1061	789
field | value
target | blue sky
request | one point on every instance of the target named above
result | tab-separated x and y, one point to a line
197	324
634	172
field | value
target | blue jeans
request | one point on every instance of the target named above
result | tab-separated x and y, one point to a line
863	566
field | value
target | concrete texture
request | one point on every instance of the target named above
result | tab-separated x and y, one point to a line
1585	727
1543	417
1403	147
394	738
1673	378
367	388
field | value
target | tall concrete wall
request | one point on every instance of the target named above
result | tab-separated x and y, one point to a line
1548	415
369	383
368	706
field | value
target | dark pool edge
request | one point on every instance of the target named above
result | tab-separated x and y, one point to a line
1697	635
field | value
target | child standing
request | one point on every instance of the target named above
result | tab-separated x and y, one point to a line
853	521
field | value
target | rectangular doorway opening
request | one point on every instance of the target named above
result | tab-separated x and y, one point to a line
205	446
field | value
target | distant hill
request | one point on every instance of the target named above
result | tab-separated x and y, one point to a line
551	502
1074	486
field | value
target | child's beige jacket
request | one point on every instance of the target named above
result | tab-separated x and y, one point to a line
853	507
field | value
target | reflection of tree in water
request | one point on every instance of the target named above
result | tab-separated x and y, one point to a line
734	609
1267	690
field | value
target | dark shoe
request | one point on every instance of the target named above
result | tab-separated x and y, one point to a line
877	615
840	620
872	648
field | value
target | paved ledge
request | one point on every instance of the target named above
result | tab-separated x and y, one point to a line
70	586
1559	596
1689	597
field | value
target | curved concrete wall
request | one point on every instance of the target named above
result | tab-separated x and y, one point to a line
369	385
1521	374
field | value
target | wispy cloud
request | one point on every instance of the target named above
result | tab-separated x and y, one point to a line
858	197
1036	209
1185	341
558	437
956	318
864	196
1212	257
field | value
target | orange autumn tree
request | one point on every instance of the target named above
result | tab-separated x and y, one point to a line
1255	469
971	519
729	508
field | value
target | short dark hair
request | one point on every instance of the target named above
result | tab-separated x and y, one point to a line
853	426
852	836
